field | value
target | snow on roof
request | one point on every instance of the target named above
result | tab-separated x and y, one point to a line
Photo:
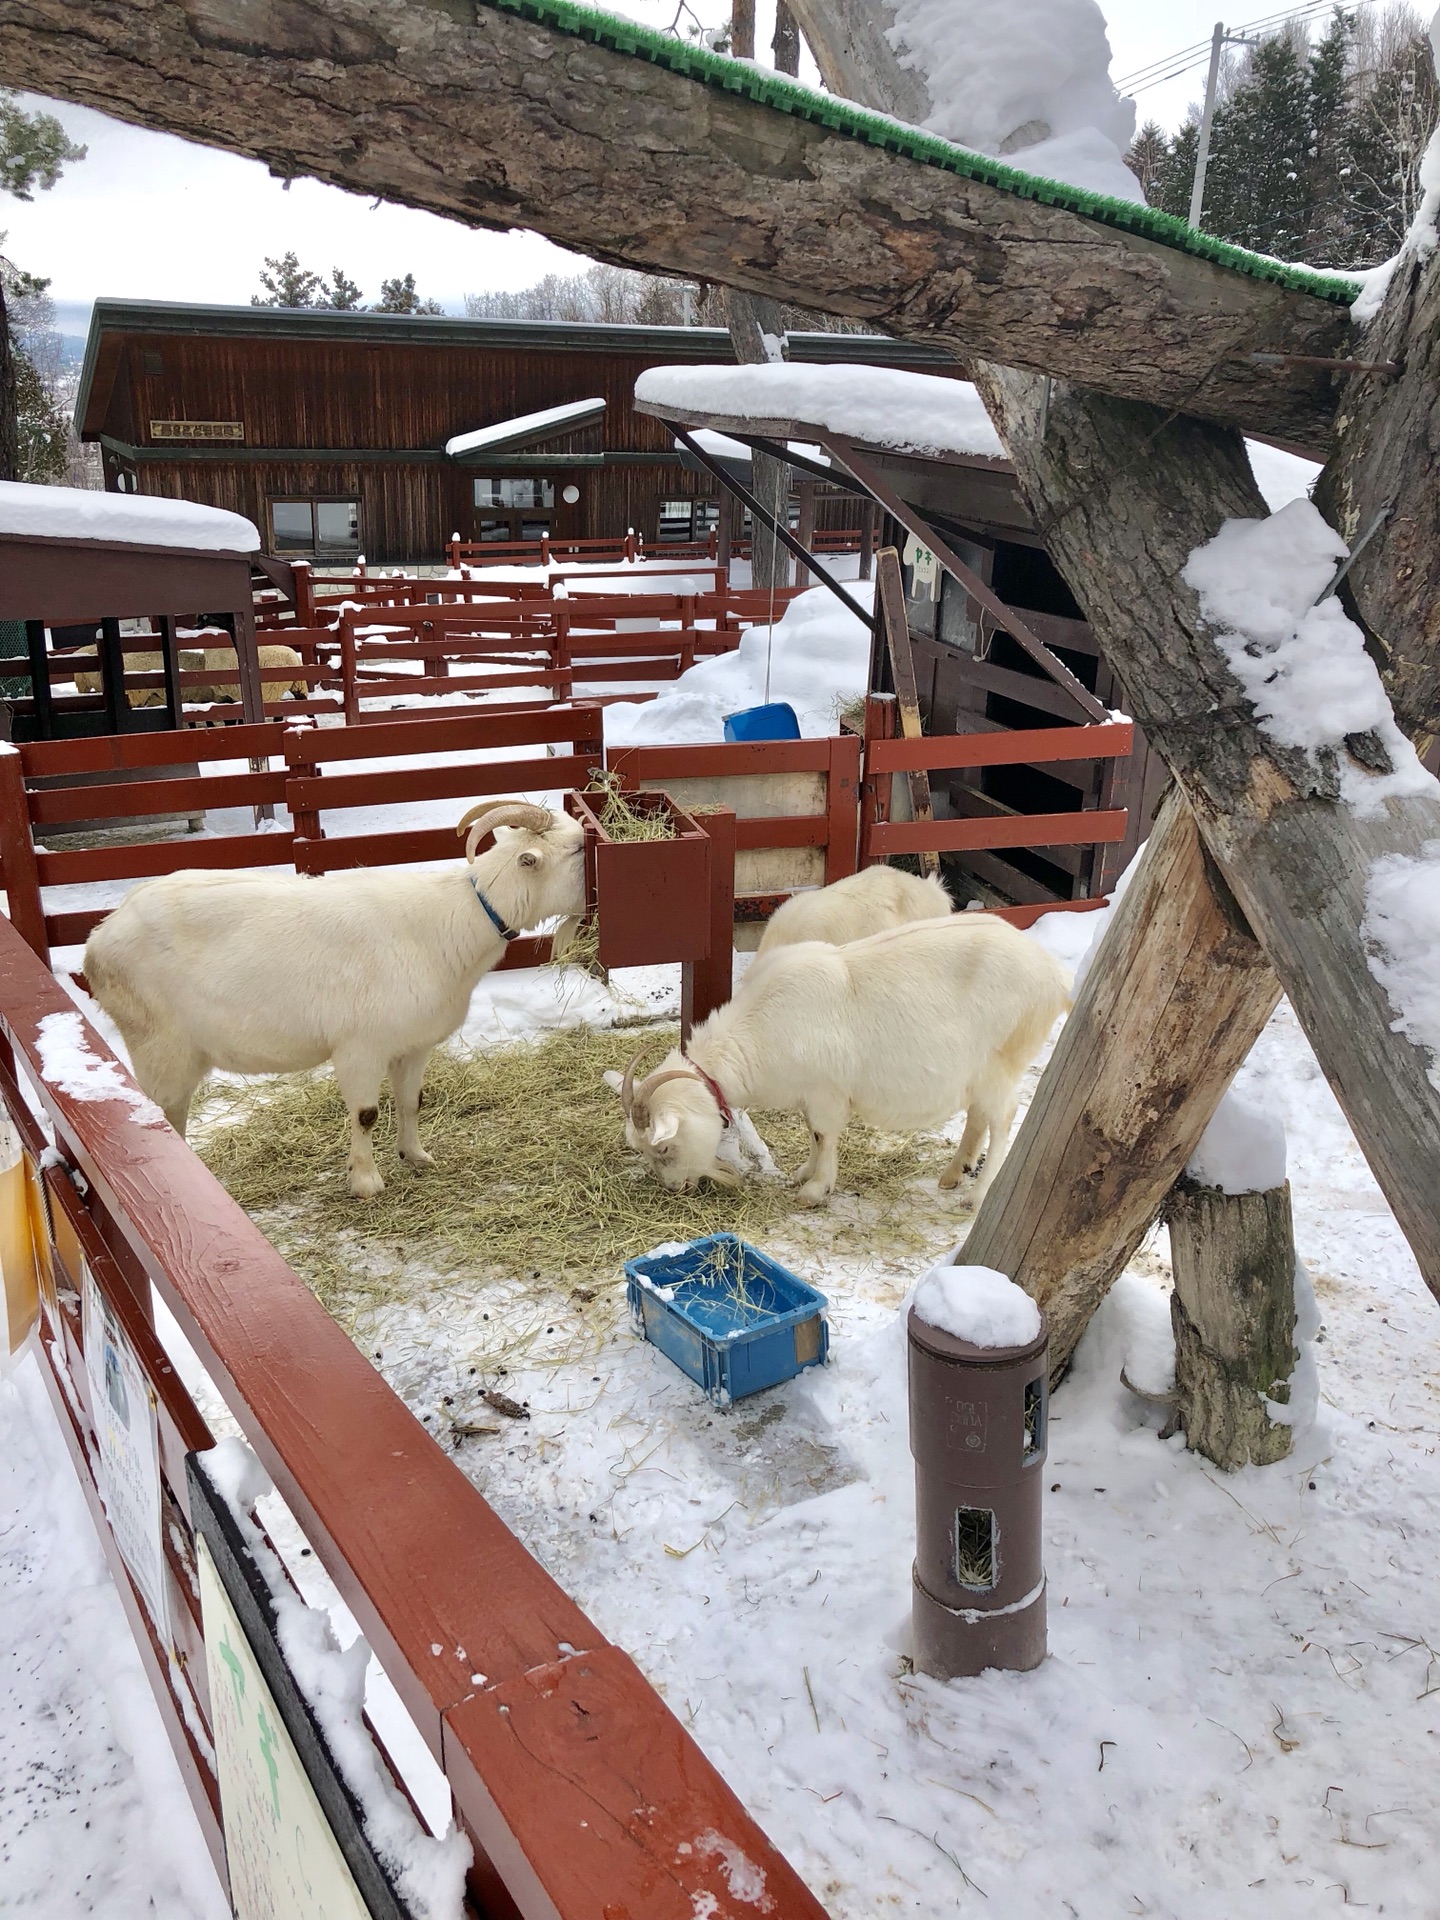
77	513
909	412
721	447
506	435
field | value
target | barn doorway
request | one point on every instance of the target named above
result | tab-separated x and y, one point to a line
510	507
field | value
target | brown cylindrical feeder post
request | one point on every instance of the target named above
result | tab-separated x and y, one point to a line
977	1430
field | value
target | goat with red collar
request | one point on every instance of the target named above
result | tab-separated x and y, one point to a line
902	1030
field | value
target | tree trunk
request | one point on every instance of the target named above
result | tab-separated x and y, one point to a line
496	120
1386	459
1125	496
1173	1001
1233	1311
742	29
9	397
856	61
756	328
785	46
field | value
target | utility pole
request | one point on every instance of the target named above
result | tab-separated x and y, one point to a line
1202	149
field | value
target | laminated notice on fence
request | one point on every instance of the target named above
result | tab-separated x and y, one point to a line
282	1856
127	1435
19	1277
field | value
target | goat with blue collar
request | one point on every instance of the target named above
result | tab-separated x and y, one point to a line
369	968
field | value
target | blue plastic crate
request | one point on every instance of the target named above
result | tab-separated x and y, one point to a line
730	1341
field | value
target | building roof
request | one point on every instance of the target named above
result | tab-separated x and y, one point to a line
159	318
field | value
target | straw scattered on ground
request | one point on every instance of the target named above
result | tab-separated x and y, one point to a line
535	1197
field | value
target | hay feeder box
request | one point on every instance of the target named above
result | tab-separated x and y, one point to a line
662	889
729	1316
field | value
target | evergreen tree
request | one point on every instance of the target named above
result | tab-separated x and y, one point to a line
1147	157
34	150
1389	128
399	296
288	284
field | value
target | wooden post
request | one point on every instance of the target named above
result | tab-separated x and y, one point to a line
726	532
166	624
112	677
707	984
1233	1311
40	691
17	850
890	607
1171	1005
869	514
842	803
805	531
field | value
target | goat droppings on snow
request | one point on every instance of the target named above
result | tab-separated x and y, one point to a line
979	1305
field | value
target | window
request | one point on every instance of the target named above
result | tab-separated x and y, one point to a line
516	494
674	521
315	526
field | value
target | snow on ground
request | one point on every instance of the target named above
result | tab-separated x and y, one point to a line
1240	1714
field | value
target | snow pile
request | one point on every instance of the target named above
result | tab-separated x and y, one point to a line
509	433
1243	1148
78	513
818	661
429	1873
979	1305
1421	239
911	412
1281	476
67	1063
1300	659
1028	81
1401	930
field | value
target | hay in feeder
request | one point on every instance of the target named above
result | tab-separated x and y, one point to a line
534	1194
620	817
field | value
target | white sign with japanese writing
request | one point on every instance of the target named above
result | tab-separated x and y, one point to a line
283	1858
127	1435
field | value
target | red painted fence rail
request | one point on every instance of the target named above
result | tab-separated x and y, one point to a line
578	1787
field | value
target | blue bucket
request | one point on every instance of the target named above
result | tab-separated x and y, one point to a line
778	721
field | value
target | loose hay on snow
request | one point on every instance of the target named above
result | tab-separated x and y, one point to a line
533	1185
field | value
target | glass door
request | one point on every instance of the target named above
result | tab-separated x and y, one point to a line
513	509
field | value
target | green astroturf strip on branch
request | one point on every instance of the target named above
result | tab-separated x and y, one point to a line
784	95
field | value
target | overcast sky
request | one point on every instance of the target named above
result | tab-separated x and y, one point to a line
147	216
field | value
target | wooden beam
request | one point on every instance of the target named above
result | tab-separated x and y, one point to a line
1127	496
570	138
890	608
1173	1002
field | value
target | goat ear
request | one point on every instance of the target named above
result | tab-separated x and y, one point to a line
528	859
613	1079
665	1128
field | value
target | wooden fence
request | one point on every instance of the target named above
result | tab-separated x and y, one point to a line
96	780
574	1782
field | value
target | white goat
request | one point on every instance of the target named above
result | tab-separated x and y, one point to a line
850	909
900	1030
211	660
277	973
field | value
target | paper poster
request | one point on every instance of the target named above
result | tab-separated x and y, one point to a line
19	1290
127	1435
282	1856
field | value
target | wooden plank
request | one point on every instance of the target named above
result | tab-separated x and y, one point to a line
408	784
842	804
474	733
1028	746
637	765
114	753
67	868
50	805
1169	1008
419	1557
17	849
893	618
783	830
1021	830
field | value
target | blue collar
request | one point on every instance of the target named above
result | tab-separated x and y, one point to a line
505	933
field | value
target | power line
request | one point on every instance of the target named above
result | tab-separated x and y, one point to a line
1171	66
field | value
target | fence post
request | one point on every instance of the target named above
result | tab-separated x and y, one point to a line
875	787
348	676
842	806
21	870
707	984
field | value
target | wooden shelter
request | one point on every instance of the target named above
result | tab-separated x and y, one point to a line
330	429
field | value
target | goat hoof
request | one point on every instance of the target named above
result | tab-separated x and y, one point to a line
419	1160
365	1186
814	1193
949	1179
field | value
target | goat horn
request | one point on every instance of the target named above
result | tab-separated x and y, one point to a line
627	1088
640	1099
490	814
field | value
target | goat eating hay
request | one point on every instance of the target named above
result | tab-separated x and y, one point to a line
529	1184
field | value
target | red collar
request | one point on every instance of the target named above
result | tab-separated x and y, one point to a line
724	1105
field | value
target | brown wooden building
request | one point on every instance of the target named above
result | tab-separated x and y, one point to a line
329	429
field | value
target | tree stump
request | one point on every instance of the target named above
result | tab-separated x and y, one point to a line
1233	1311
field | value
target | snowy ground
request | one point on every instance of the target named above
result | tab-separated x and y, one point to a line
1241	1709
